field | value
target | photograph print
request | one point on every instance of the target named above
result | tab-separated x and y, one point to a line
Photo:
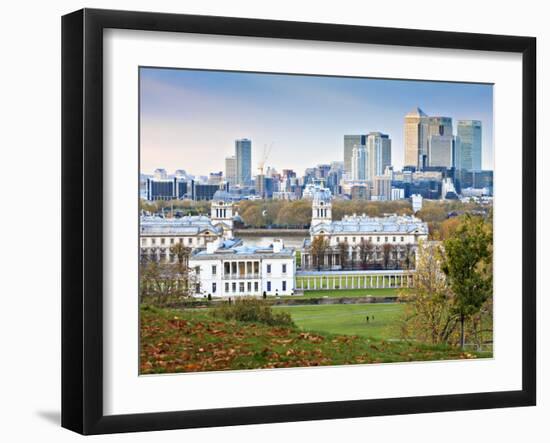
291	220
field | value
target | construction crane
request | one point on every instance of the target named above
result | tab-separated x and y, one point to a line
264	157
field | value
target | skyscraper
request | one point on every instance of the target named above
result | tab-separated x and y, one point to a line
243	156
440	126
469	133
378	154
441	150
416	138
358	163
231	170
349	142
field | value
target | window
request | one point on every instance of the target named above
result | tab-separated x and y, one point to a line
255	286
153	241
241	286
393	239
214	269
249	286
189	240
386	239
284	285
171	241
256	267
162	241
284	268
213	288
345	239
226	268
143	242
337	239
402	238
227	287
353	239
234	287
181	240
268	286
269	269
198	287
378	239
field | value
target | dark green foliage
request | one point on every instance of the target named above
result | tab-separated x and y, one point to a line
253	310
468	267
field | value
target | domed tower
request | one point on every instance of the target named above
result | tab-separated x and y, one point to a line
321	208
221	212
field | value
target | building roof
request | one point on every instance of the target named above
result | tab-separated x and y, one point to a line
363	224
243	251
223	195
189	225
416	112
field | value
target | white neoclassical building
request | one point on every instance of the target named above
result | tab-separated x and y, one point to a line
401	232
158	235
237	271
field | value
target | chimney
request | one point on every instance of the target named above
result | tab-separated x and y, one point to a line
277	245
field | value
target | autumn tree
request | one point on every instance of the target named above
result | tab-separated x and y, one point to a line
408	258
468	267
181	252
387	250
253	216
365	251
343	249
428	314
163	283
319	247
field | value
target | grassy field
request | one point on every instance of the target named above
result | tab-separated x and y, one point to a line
193	340
383	321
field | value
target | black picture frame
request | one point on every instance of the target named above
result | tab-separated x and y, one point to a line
82	217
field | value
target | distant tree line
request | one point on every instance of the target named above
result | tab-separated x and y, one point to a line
440	215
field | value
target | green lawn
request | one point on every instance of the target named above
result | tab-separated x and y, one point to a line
349	319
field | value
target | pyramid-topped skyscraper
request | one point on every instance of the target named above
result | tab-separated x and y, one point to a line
416	137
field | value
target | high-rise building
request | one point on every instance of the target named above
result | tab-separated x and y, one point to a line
215	178
168	188
231	170
335	176
243	156
160	174
440	126
378	156
469	134
358	163
441	150
349	142
260	185
416	138
382	187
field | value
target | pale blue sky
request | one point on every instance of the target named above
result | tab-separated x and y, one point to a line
191	118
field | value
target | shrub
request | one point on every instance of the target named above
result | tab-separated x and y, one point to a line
253	310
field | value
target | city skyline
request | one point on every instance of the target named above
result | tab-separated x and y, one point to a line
190	112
